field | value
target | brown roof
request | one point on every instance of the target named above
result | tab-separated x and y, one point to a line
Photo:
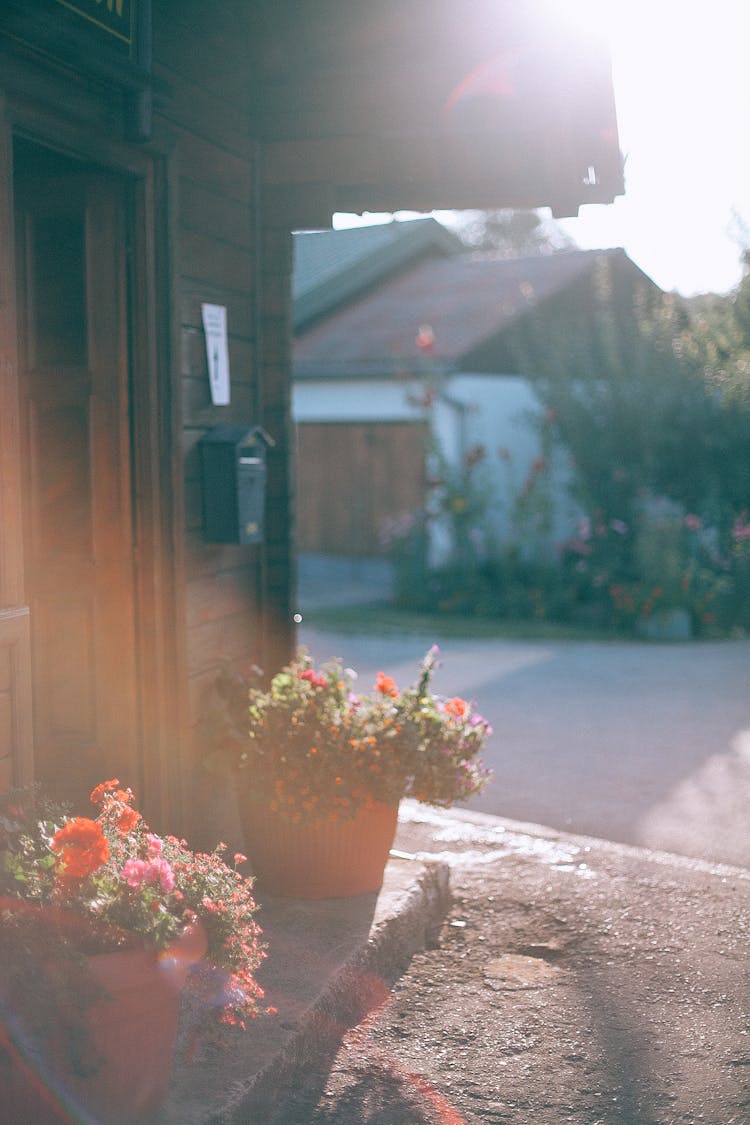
466	300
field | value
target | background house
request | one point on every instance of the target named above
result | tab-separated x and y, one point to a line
421	351
154	159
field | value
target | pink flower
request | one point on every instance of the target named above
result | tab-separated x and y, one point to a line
134	872
693	523
580	547
155	845
156	872
160	872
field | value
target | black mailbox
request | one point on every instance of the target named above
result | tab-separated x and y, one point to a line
233	483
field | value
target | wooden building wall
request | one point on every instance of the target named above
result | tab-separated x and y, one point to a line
204	235
237	598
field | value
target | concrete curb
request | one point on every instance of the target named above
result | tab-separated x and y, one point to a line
411	923
330	963
414	816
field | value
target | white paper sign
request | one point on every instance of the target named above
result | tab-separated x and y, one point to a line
217	352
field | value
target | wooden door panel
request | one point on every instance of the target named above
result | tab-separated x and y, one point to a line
76	448
59	509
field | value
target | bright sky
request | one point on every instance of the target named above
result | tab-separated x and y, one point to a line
682	88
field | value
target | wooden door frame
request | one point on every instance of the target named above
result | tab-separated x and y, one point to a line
157	478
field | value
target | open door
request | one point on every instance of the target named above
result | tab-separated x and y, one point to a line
71	228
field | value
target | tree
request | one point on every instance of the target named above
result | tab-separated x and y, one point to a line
516	234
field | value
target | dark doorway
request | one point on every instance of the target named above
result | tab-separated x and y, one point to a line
71	244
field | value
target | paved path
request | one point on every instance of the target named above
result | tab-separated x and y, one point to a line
574	982
645	744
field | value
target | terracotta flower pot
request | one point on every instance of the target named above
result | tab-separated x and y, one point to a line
330	859
132	1034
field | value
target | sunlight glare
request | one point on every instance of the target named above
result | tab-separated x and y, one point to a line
678	73
680	91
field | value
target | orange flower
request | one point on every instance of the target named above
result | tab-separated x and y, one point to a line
98	794
127	821
386	685
82	847
456	707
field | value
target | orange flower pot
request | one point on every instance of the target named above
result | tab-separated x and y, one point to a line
330	859
132	1031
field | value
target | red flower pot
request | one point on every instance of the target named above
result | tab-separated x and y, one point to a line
132	1032
330	859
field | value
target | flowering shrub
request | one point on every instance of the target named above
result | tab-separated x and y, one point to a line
71	886
406	540
668	560
315	749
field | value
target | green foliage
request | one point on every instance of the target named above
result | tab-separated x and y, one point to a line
406	539
654	402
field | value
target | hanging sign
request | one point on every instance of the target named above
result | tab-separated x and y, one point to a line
217	352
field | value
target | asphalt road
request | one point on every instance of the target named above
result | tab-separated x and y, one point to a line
644	744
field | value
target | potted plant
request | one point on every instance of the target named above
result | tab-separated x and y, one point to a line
323	768
100	922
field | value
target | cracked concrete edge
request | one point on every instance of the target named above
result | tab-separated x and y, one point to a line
349	995
418	813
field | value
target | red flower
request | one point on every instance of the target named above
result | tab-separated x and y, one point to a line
317	679
456	707
82	847
386	685
425	338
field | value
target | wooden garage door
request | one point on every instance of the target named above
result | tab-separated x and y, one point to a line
352	476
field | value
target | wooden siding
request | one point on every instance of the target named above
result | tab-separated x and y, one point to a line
200	214
351	478
237	598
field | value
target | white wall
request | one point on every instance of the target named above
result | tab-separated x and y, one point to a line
362	400
498	412
489	410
